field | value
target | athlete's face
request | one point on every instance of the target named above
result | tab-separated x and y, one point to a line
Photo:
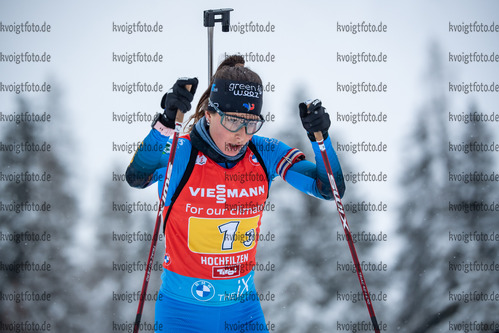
230	143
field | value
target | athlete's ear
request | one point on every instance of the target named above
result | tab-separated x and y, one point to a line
207	115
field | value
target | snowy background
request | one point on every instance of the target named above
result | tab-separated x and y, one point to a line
426	282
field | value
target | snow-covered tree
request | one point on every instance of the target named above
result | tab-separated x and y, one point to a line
39	271
429	226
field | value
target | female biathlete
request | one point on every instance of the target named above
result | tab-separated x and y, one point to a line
218	187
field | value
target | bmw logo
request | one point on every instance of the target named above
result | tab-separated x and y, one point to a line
202	290
167	260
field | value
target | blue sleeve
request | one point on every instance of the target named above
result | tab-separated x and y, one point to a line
150	160
147	159
310	178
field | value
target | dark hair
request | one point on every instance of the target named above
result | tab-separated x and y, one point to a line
232	68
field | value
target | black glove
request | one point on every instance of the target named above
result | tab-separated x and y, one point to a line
314	119
178	98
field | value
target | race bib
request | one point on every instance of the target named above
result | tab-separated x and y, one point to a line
222	235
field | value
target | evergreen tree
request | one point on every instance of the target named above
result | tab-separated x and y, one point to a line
473	223
123	238
425	272
45	220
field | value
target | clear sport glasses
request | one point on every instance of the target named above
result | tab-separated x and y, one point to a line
235	123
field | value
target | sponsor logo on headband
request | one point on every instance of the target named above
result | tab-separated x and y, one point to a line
249	106
245	89
236	96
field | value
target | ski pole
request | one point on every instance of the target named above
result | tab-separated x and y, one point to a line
179	119
222	15
341	211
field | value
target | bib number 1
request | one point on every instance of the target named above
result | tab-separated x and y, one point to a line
221	236
229	230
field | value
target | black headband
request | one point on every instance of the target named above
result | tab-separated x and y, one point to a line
236	96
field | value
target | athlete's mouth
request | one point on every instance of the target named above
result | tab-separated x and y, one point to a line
234	147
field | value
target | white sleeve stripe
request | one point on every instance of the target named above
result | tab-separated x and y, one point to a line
287	161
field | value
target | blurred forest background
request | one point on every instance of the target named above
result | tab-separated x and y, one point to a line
420	292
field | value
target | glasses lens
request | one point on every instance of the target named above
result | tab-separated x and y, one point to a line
253	126
233	124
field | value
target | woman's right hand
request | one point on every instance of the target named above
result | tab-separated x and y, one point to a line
178	98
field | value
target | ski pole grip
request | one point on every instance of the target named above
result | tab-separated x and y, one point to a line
179	117
318	135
